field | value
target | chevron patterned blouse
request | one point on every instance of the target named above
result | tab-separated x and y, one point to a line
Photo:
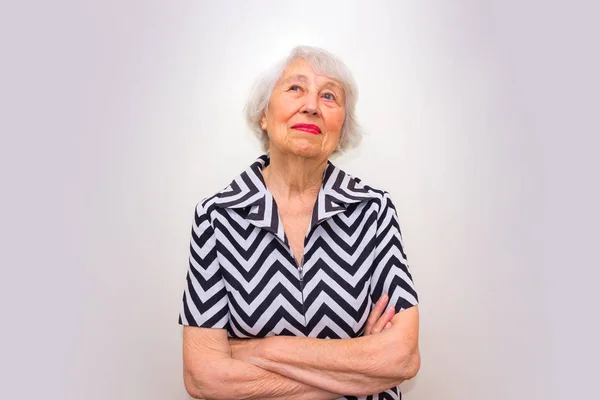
243	276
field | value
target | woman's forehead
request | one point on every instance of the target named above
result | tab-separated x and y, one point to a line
302	71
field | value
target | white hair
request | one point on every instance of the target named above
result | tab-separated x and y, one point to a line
324	63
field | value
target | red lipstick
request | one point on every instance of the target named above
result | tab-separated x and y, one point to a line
310	128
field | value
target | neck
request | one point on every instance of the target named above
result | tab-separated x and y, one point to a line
290	176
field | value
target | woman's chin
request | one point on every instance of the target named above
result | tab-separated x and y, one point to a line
307	148
307	151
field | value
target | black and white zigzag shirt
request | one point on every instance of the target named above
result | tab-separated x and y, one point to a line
243	276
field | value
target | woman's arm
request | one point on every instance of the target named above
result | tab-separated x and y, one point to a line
211	373
204	349
359	366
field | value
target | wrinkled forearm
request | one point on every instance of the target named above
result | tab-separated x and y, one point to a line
358	366
234	379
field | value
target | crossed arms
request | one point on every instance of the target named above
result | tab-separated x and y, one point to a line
284	367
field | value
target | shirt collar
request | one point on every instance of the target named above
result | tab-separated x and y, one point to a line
248	190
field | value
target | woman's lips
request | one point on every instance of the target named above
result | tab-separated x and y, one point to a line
310	128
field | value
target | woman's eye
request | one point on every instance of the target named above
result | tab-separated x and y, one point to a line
295	88
329	96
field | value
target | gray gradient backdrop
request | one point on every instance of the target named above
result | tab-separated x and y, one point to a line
118	116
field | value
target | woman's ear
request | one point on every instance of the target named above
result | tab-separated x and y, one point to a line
263	123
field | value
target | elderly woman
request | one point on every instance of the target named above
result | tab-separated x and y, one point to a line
293	264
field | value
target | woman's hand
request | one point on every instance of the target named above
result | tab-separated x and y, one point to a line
378	319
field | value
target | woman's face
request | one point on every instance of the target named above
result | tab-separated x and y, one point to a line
306	112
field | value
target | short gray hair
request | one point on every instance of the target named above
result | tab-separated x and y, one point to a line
324	63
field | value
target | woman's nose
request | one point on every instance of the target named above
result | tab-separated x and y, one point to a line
311	105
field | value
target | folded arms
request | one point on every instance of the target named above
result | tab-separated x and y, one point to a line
303	368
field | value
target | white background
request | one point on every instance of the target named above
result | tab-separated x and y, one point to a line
118	116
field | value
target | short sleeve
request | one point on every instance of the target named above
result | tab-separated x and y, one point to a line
205	298
391	274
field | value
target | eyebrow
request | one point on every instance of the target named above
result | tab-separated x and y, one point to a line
297	77
334	85
303	78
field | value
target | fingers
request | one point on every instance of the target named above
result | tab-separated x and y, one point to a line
385	319
376	313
